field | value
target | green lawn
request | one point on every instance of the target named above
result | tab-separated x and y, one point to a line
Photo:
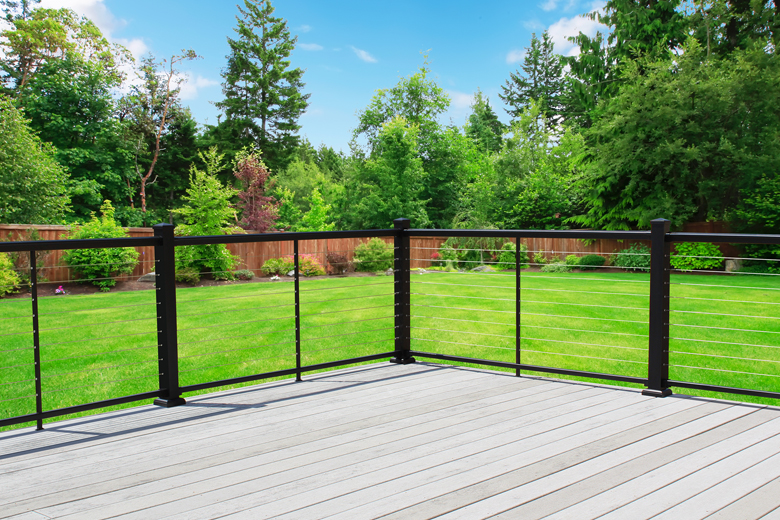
102	346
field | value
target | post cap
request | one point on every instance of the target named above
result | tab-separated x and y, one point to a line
402	223
661	222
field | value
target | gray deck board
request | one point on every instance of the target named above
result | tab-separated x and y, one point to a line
412	442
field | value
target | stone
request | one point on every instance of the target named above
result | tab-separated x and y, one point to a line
482	269
148	278
389	272
291	273
733	265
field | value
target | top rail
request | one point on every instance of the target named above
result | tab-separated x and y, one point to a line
531	233
721	238
282	237
87	243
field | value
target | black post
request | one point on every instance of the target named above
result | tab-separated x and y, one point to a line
167	343
402	287
658	351
36	340
517	305
297	315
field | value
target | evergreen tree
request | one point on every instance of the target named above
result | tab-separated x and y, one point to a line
541	80
483	126
263	98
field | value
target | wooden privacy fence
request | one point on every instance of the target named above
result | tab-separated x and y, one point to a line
253	255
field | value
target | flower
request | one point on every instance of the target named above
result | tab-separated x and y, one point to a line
59	290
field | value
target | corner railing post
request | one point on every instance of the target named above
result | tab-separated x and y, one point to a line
658	348
36	341
167	343
402	289
518	305
296	260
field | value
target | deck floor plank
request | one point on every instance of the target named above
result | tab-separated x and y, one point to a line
415	441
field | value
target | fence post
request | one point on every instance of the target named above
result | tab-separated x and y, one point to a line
297	313
658	348
36	340
402	288
167	343
518	318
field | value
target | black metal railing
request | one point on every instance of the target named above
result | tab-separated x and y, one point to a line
655	369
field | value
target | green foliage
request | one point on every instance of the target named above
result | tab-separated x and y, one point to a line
696	256
590	262
472	251
571	260
208	211
316	219
508	254
556	267
289	214
483	126
374	255
446	255
100	266
540	258
278	266
32	184
9	279
244	274
308	265
21	259
634	258
188	275
263	98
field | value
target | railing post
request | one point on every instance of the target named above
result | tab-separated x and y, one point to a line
402	288
297	313
167	343
658	348
518	319
36	340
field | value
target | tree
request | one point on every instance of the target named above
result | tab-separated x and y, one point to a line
685	139
483	126
541	80
258	211
263	94
154	103
16	9
316	219
32	183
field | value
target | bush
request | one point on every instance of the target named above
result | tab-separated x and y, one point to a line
635	258
539	258
447	255
572	260
506	259
278	266
9	280
21	259
339	264
374	255
309	266
101	265
187	275
557	267
696	256
244	274
591	260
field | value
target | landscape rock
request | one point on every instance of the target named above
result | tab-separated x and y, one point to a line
483	269
389	272
291	273
733	265
148	278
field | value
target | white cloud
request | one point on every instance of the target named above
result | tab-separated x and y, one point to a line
364	55
565	27
515	56
460	100
190	88
533	25
310	46
549	5
304	28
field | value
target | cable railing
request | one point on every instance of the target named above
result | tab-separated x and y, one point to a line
629	317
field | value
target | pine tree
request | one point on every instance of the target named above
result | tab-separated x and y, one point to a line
541	80
483	126
263	98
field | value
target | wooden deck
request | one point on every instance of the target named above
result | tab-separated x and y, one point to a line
404	442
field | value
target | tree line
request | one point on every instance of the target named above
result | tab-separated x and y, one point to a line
674	113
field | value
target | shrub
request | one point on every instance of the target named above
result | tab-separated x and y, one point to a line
244	274
101	265
339	264
278	266
539	258
572	260
591	260
9	279
557	267
374	255
447	255
506	259
309	266
634	258
21	259
187	275
696	256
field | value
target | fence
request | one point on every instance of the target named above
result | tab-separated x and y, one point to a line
659	327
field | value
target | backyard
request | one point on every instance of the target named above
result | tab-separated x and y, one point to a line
723	330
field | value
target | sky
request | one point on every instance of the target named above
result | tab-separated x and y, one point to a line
349	48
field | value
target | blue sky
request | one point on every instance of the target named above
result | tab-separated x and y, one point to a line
349	48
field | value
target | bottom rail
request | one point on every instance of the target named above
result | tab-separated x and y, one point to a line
724	389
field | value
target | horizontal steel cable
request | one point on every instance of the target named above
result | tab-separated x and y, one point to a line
464	344
237	363
726	371
17	318
725	343
723	314
722	328
258	295
348	334
710	272
721	300
98	354
98	339
18	398
96	324
98	309
17	382
350	345
721	357
725	286
236	310
238	349
351	298
9	367
346	322
348	310
528	313
47	376
533	326
16	349
531	301
237	323
75	267
224	338
16	333
100	383
346	287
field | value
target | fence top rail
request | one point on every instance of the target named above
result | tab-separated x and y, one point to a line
87	243
531	233
723	238
282	237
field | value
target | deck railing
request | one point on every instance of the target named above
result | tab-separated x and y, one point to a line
412	332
